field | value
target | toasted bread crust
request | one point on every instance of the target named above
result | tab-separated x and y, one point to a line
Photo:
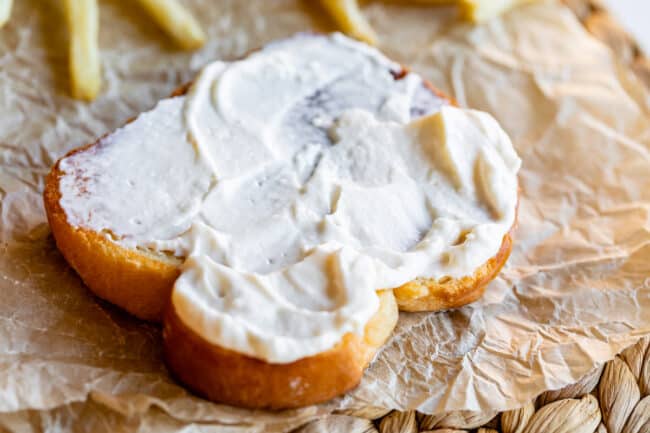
224	376
139	283
429	294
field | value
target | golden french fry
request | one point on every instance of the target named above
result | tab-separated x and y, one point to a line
176	21
426	2
481	10
348	15
83	25
5	11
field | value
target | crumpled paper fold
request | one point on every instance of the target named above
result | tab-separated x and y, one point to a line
575	292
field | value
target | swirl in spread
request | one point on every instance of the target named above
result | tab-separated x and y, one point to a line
294	183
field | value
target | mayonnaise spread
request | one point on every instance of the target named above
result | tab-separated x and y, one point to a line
294	183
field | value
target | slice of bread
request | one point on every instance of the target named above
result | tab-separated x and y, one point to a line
140	281
225	376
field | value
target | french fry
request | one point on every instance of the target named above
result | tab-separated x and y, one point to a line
176	21
5	11
425	2
478	11
349	17
83	25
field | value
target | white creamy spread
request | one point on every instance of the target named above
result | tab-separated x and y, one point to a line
294	183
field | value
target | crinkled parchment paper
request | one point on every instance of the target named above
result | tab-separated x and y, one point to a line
575	292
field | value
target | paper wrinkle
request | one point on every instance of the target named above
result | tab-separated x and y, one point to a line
575	292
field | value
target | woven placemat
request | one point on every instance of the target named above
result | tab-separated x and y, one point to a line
612	398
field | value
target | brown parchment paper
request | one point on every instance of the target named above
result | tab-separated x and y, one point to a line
575	292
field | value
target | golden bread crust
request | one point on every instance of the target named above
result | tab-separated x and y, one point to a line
429	294
139	283
224	376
